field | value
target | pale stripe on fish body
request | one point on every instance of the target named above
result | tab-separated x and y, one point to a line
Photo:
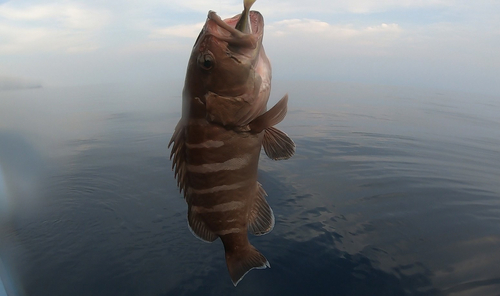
217	142
228	165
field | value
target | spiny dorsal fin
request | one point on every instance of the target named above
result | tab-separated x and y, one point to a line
270	118
277	144
261	217
178	156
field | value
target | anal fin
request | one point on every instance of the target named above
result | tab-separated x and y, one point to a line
277	144
261	218
199	228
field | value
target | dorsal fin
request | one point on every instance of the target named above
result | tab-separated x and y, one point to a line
178	156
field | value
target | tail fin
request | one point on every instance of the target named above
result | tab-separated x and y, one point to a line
240	262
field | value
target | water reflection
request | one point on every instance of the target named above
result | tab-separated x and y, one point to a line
390	193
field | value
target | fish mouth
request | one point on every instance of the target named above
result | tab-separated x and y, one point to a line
236	38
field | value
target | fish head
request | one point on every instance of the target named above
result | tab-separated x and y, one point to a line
229	63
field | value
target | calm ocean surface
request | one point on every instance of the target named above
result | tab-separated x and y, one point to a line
392	191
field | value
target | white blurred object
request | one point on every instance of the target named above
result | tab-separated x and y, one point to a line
4	201
7	284
21	167
3	291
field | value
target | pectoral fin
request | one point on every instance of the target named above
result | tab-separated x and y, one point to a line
270	118
277	144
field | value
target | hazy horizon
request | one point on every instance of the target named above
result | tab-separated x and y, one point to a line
443	44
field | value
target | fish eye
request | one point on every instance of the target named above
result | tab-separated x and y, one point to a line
206	61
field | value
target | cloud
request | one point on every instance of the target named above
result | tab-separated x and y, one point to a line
29	40
67	15
285	7
368	6
291	26
392	39
394	28
156	46
306	31
326	30
302	36
186	31
50	28
27	14
280	8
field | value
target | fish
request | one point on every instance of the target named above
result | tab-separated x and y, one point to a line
216	145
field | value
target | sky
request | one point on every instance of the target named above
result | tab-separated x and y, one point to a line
442	44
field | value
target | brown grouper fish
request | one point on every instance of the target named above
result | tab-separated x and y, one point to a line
217	142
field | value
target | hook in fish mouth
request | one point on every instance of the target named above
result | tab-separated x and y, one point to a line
238	38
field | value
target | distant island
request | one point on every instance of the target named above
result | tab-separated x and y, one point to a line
13	83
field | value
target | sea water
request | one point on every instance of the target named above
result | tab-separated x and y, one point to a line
392	191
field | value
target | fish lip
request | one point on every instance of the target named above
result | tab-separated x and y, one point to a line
236	37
